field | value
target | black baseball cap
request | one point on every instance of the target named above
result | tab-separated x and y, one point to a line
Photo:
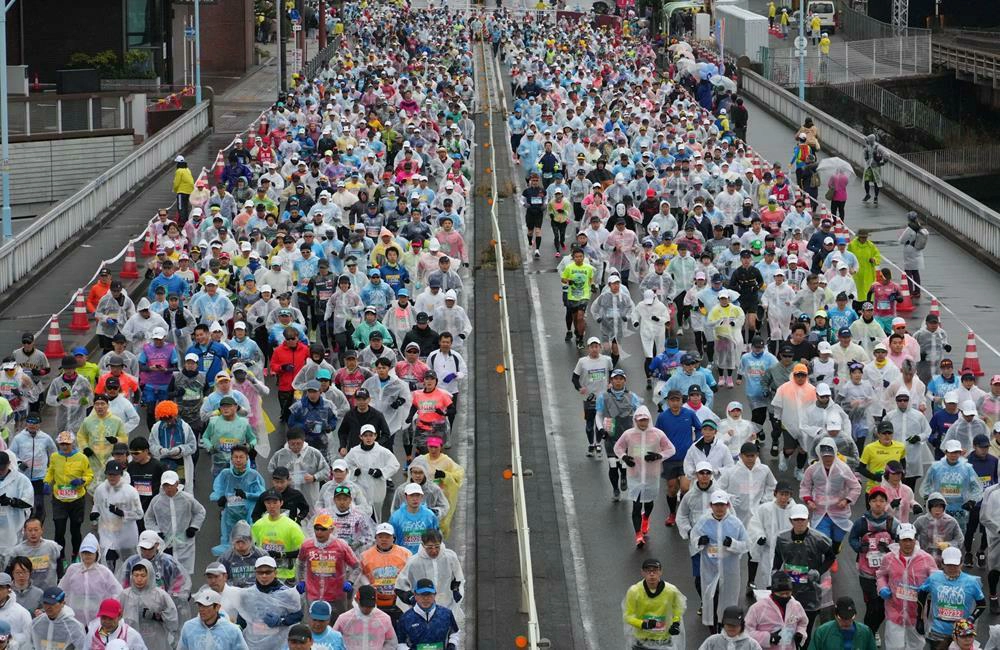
272	495
280	472
844	607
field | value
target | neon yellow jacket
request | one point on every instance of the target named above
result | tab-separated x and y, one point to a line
63	469
666	608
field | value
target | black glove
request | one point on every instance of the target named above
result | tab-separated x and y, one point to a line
147	614
94	516
649	624
376	472
895	503
728	541
456	595
602	434
655	319
920	626
883	547
913	440
240	493
652	456
917	508
115	510
287	367
88	452
675	628
111	555
798	638
703	540
4	500
407	597
762	541
191	532
885	383
462	335
439	474
775	637
111	440
22	467
20	503
222	502
628	460
357	472
275	554
396	403
947	348
252	453
968	506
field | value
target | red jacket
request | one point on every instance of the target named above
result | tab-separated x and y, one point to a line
284	355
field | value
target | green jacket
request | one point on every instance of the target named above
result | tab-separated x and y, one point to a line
828	637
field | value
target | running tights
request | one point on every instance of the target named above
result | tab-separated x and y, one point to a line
867	190
993	578
640	509
616	472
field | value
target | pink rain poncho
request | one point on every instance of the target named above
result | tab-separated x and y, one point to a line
644	476
826	487
86	587
903	578
765	617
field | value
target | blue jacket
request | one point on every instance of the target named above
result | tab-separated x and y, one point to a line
986	468
173	284
211	359
418	627
682	429
312	416
228	481
224	634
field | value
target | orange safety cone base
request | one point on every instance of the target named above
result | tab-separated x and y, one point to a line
80	321
904	292
54	347
971	361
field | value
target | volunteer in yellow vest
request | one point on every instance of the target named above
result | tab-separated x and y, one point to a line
772	11
278	535
814	27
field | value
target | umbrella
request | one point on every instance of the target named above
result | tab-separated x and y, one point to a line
835	164
680	47
725	82
687	66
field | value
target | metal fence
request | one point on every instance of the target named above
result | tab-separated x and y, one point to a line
909	113
848	61
950	208
854	25
959	161
20	255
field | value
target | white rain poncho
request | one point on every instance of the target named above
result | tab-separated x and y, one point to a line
442	570
790	403
815	419
325	501
174	447
378	457
19	620
720	564
453	320
170	517
139	606
117	533
308	461
727	324
735	431
58	633
86	587
827	488
611	310
767	522
694	504
255	605
747	487
14	486
989	517
434	497
650	317
644	475
779	300
905	425
384	395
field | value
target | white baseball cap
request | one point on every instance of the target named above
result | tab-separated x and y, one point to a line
823	388
798	511
951	555
209	597
265	560
719	496
906	531
704	466
385	529
413	488
968	407
952	445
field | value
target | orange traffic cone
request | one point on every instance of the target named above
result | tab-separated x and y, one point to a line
904	292
971	362
935	309
149	245
130	270
80	321
54	347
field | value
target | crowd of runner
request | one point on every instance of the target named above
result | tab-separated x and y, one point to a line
766	328
324	262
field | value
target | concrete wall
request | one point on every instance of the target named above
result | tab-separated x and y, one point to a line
46	172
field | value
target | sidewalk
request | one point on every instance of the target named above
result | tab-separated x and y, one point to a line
234	110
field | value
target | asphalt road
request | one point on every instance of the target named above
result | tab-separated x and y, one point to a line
597	531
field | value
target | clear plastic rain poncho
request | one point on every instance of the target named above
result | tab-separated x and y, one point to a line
255	605
117	533
720	564
86	587
611	310
15	486
170	517
141	608
59	633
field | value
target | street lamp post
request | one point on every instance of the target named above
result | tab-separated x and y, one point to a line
197	51
8	232
801	50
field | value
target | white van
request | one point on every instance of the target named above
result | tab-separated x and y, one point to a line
826	11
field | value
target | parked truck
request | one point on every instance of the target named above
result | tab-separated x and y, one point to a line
744	32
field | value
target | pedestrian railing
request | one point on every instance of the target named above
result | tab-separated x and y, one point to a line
854	25
22	254
952	210
959	161
495	107
909	113
981	65
849	61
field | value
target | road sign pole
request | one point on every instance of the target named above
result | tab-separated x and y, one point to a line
802	52
197	51
8	232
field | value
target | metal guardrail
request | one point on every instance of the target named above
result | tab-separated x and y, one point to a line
959	161
976	223
39	240
854	25
526	572
962	59
324	55
849	61
909	113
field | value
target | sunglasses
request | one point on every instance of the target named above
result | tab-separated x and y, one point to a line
342	490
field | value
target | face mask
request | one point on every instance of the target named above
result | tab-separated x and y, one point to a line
781	600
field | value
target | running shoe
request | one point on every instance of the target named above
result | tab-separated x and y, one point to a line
569	335
623	483
994	605
968	559
774	449
558	254
981	559
538	253
649	384
640	541
590	451
671	519
617	496
783	463
644	528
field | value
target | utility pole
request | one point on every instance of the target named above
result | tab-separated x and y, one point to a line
8	232
800	50
279	10
901	16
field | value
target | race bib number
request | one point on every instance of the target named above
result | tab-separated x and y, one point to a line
430	646
39	563
798	573
712	551
906	592
883	305
144	488
985	480
235	500
412	537
950	611
951	490
66	492
323	567
226	444
191	395
536	200
874	559
660	621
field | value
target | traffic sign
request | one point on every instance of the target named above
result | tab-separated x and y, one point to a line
189	33
800	42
